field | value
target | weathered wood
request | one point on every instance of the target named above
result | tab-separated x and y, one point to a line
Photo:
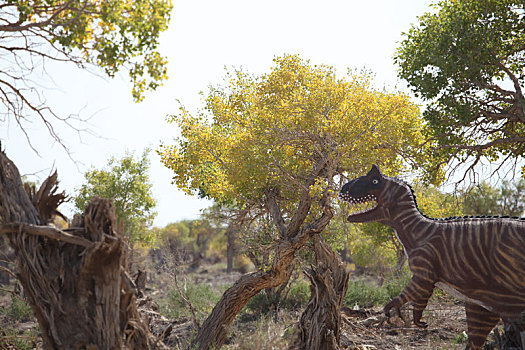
213	332
320	323
75	281
45	231
15	204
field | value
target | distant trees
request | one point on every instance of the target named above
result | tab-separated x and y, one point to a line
222	216
277	145
485	199
111	35
466	59
127	182
191	242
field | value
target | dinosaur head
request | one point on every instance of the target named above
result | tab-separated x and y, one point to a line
365	196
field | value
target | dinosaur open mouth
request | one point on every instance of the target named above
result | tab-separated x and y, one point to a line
359	205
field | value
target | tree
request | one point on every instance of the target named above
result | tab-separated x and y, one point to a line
485	199
126	181
481	200
67	275
466	60
279	144
111	35
188	242
223	218
513	198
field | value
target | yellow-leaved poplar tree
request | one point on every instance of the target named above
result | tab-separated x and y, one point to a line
280	144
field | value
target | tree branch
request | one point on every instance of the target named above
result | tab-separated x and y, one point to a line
275	212
515	80
45	231
493	143
303	208
16	27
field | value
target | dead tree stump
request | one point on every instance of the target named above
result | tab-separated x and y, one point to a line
74	279
320	323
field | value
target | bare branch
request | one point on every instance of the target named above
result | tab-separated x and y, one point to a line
275	212
45	231
303	207
8	271
496	88
514	79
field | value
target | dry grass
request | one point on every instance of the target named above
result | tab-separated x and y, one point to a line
18	327
257	328
272	331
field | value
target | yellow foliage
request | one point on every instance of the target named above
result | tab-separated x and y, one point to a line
434	203
270	131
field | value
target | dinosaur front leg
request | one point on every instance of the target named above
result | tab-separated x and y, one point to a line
418	290
480	322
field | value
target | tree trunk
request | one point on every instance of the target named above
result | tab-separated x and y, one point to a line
213	331
230	250
5	259
400	254
212	334
75	279
294	234
320	322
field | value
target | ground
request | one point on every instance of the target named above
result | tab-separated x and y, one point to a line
361	327
446	324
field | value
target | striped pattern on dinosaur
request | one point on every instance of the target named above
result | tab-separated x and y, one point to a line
480	260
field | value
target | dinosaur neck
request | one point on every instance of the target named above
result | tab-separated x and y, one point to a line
407	221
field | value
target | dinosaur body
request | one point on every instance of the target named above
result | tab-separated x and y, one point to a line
480	260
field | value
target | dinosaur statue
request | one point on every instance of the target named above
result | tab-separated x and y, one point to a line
480	260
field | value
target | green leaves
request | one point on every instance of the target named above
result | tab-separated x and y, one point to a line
467	60
108	33
484	199
125	180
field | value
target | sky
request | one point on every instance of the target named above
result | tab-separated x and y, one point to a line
204	38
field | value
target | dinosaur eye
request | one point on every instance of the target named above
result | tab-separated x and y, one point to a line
375	181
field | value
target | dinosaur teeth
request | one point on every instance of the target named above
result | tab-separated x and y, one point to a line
359	205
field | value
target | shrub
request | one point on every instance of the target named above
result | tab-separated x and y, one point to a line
460	338
202	297
395	284
11	338
297	297
261	303
19	309
266	333
367	295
